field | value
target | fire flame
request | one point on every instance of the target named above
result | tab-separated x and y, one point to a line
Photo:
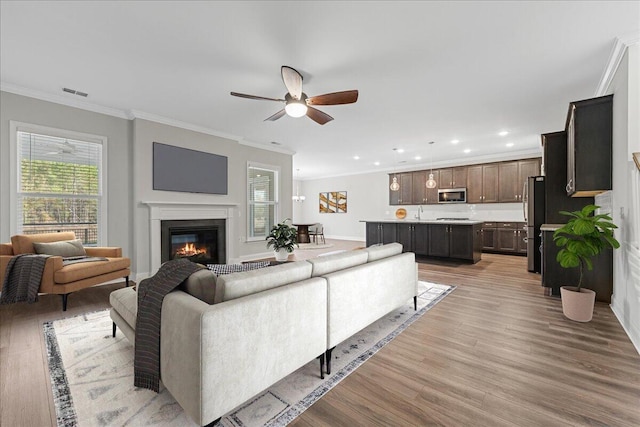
189	249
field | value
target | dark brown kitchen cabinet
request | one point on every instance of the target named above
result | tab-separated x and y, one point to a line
418	179
512	177
404	196
521	247
455	241
432	193
589	146
380	233
413	237
453	177
489	236
507	237
482	183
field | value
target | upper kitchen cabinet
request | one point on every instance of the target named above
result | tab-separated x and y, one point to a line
589	146
419	178
404	195
513	176
453	178
482	183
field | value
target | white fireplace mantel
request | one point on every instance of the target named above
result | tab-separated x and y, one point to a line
159	211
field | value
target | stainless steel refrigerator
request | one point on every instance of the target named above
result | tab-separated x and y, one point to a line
534	212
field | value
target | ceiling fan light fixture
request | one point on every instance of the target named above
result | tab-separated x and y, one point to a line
296	108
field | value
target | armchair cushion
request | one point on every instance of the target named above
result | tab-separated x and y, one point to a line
74	272
64	248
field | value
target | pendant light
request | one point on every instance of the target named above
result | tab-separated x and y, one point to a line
298	197
394	185
431	183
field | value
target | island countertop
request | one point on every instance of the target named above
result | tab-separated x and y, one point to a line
426	221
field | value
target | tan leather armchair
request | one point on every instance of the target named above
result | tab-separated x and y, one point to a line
63	279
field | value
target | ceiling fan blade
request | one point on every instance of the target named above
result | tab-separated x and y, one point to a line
335	98
293	81
244	95
318	116
276	116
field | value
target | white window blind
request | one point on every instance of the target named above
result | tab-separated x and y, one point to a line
262	200
59	185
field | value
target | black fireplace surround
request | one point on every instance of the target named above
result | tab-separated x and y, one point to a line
200	240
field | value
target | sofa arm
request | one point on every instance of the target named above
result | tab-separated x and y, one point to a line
4	261
6	249
215	357
53	264
111	252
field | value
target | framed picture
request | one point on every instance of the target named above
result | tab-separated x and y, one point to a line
333	202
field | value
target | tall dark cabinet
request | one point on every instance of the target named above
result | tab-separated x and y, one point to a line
554	147
589	146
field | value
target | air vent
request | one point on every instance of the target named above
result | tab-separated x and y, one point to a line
275	143
75	92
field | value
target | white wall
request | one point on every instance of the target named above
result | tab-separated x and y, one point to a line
368	199
626	193
118	132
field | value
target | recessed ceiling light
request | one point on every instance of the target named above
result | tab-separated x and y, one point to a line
503	133
467	151
376	163
400	150
509	144
455	141
418	158
356	157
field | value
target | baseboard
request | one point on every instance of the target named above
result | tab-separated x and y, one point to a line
350	238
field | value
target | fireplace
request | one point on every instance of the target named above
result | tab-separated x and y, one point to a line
200	240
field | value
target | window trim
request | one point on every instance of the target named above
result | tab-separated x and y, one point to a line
276	202
14	154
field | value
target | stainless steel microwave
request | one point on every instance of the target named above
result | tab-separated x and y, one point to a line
452	195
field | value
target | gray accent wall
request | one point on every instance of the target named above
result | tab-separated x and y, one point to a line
130	180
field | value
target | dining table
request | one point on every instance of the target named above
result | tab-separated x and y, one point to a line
303	232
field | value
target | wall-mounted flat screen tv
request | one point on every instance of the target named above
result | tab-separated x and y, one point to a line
188	171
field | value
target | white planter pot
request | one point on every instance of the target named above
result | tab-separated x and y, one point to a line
577	306
281	254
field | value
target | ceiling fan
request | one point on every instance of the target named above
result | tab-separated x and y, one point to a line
298	104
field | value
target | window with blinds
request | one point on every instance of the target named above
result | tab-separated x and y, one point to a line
59	186
262	200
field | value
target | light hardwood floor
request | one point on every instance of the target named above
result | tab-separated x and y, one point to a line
494	352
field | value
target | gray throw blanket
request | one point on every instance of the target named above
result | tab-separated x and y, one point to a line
151	292
22	278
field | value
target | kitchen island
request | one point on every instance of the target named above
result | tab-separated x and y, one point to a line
442	238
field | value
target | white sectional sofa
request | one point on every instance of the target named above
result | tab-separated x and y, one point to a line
226	339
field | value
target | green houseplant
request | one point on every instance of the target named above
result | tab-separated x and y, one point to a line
282	238
583	237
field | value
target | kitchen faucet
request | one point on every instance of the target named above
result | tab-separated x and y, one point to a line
418	213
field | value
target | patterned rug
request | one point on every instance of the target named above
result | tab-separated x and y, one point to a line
92	373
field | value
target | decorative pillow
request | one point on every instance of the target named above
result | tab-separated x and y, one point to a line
219	269
63	248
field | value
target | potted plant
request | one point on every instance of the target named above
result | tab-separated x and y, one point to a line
282	237
585	236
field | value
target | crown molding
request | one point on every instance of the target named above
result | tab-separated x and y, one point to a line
272	147
63	100
619	48
137	114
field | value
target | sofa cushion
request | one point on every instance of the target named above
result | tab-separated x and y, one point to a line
125	302
74	272
384	251
63	248
339	261
202	285
237	285
23	243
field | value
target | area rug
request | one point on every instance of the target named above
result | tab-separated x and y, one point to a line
92	373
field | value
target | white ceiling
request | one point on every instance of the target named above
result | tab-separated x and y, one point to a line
426	71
